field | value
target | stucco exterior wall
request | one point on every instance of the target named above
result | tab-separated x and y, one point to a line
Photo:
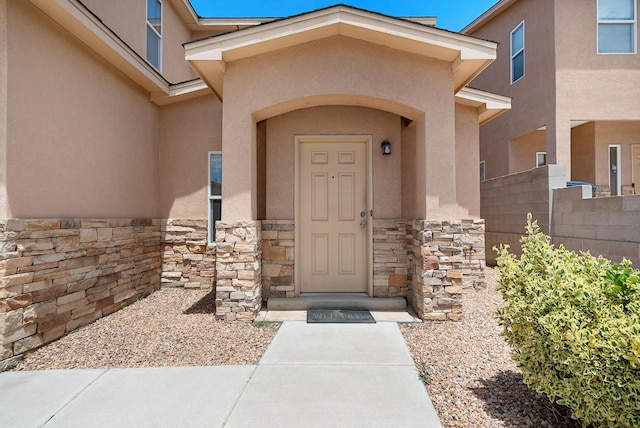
522	151
74	149
583	160
127	18
4	204
533	95
188	131
338	70
467	162
625	134
337	120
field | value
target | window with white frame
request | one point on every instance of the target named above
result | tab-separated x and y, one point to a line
482	173
541	159
215	192
617	26
154	33
517	53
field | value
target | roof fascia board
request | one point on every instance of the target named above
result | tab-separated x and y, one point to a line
186	11
181	92
80	22
458	44
488	15
203	24
487	104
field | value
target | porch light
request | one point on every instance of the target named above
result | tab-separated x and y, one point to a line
386	147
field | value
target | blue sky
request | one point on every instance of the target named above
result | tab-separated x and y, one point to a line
452	14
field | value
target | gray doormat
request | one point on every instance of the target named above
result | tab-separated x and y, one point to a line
339	316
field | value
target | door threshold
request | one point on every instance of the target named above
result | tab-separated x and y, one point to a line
353	301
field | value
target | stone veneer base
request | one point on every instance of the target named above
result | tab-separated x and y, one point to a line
60	274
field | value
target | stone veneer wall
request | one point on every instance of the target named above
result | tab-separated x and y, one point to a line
238	270
59	274
391	258
278	256
447	256
188	259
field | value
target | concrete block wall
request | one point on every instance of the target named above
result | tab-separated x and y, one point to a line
603	226
606	226
505	202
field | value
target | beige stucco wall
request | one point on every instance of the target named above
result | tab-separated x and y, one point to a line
625	134
74	148
4	205
522	151
127	18
338	70
338	120
592	86
467	162
188	131
583	151
565	80
533	95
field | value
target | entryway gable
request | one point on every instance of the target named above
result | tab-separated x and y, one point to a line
467	55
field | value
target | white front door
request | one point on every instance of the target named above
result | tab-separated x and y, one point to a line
333	215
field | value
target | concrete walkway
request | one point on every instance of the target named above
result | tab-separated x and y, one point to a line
312	375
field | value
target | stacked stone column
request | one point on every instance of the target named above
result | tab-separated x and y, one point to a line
238	270
447	256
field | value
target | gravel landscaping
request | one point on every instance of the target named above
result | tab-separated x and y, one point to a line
170	328
469	374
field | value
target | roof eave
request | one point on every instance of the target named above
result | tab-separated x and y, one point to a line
487	104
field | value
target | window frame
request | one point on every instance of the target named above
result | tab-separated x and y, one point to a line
149	25
633	23
211	226
483	171
618	187
514	55
538	164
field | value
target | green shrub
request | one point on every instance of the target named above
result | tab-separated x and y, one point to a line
573	324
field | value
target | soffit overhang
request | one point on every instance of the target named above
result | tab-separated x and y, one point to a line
467	55
487	104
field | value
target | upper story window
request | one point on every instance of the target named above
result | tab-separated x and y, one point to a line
617	26
517	52
482	171
154	33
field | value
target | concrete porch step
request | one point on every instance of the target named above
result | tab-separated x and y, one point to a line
336	301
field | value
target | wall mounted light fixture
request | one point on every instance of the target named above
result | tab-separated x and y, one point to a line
386	147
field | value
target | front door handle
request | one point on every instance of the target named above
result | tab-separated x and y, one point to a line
363	224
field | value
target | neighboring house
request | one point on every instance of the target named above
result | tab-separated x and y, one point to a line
332	151
573	71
